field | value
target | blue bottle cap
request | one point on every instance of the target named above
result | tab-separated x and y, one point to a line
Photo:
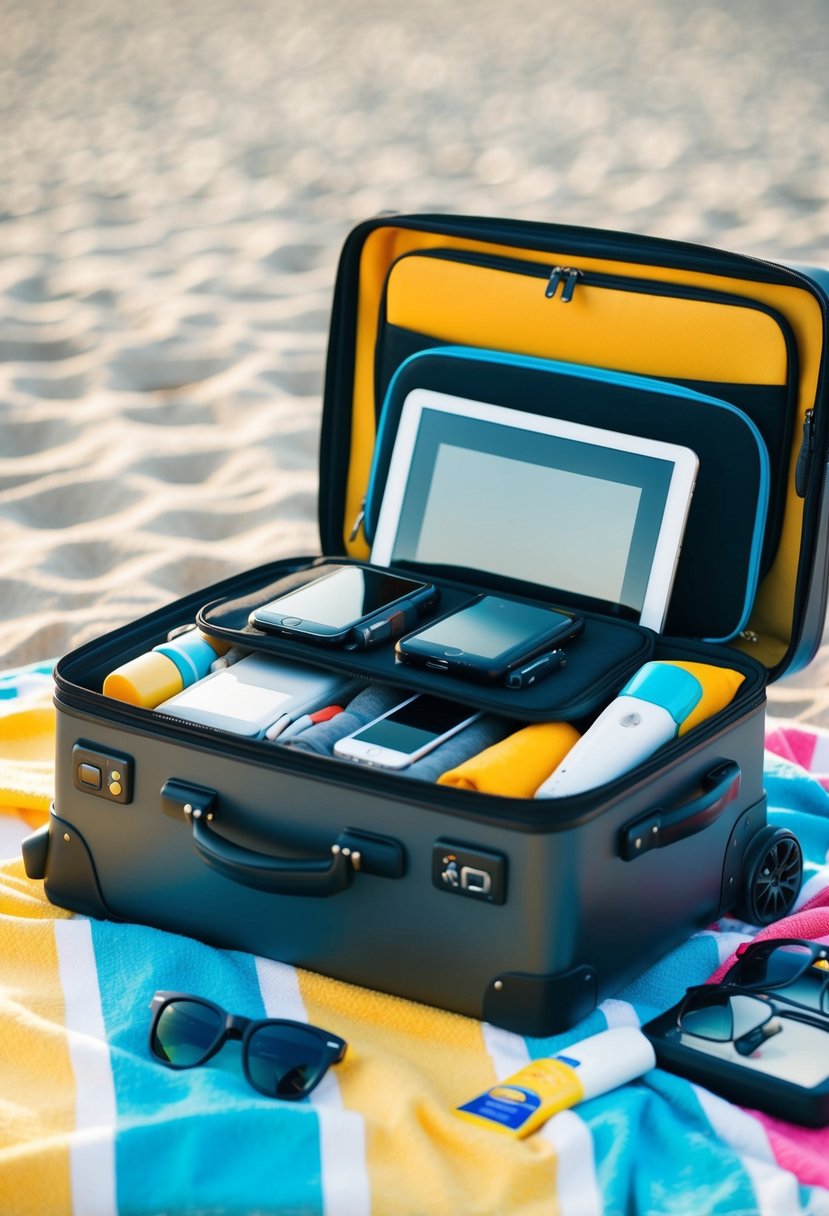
674	688
192	655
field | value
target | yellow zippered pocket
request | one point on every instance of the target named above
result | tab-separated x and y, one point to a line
555	311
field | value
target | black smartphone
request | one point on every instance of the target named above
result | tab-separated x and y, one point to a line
348	603
489	638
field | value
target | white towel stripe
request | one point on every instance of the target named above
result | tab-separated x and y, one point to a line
507	1051
576	1183
92	1154
345	1182
813	886
727	943
618	1013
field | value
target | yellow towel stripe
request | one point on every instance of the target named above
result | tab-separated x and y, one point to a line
27	756
407	1067
37	1088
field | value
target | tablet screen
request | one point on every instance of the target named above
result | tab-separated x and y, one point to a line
566	506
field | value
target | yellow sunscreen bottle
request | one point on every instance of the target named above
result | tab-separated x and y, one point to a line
165	670
529	1097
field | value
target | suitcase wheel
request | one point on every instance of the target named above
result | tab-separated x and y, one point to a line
772	874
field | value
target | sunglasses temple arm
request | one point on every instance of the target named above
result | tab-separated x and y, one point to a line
749	1042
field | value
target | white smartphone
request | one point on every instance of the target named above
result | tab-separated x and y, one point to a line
403	734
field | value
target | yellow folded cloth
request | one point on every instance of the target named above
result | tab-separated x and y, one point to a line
719	686
516	766
27	756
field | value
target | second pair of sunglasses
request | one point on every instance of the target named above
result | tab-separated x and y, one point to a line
733	1015
781	963
280	1058
784	978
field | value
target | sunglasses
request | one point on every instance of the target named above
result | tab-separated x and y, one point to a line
746	1019
780	963
281	1059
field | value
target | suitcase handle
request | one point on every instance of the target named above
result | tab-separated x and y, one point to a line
323	875
662	827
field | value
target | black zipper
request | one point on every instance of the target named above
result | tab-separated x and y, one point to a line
804	458
571	276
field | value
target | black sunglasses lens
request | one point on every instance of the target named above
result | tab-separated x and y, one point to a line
774	967
719	1017
708	1016
285	1061
185	1032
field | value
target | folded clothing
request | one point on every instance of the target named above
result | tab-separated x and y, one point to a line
470	741
369	704
515	766
719	687
376	700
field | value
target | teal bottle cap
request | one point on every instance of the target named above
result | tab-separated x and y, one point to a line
192	655
674	688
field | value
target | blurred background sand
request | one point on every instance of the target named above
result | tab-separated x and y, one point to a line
176	181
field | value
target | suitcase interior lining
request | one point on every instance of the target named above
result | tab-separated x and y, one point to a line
769	406
771	624
721	554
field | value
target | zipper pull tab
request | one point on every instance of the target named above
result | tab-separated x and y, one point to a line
555	279
358	522
804	459
573	277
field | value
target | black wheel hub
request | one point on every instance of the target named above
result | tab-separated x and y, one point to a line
777	881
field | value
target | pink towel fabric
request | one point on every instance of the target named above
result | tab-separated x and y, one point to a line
802	1150
807	747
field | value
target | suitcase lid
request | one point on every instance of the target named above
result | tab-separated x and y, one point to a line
787	620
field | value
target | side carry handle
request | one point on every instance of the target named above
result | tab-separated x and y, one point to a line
319	875
720	786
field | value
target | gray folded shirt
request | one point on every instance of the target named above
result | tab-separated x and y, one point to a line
365	707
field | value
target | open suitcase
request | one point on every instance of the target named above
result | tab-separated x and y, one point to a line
521	912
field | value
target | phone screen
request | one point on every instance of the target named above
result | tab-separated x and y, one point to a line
493	627
414	725
342	597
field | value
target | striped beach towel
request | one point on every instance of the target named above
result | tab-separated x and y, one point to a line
90	1124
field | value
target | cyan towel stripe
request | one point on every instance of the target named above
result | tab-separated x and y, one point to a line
178	1131
19	681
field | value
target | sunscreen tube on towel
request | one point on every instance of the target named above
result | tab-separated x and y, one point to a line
530	1096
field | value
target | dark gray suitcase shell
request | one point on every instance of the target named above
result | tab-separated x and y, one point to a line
342	871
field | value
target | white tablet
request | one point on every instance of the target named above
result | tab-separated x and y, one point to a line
579	509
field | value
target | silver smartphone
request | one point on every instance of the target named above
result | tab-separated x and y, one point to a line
402	735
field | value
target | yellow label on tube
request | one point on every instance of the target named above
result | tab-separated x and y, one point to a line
527	1099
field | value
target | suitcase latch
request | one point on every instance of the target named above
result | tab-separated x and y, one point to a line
185	800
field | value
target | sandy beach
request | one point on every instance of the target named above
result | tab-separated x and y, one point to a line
176	182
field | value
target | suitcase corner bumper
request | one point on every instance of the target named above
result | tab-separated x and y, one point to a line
58	854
